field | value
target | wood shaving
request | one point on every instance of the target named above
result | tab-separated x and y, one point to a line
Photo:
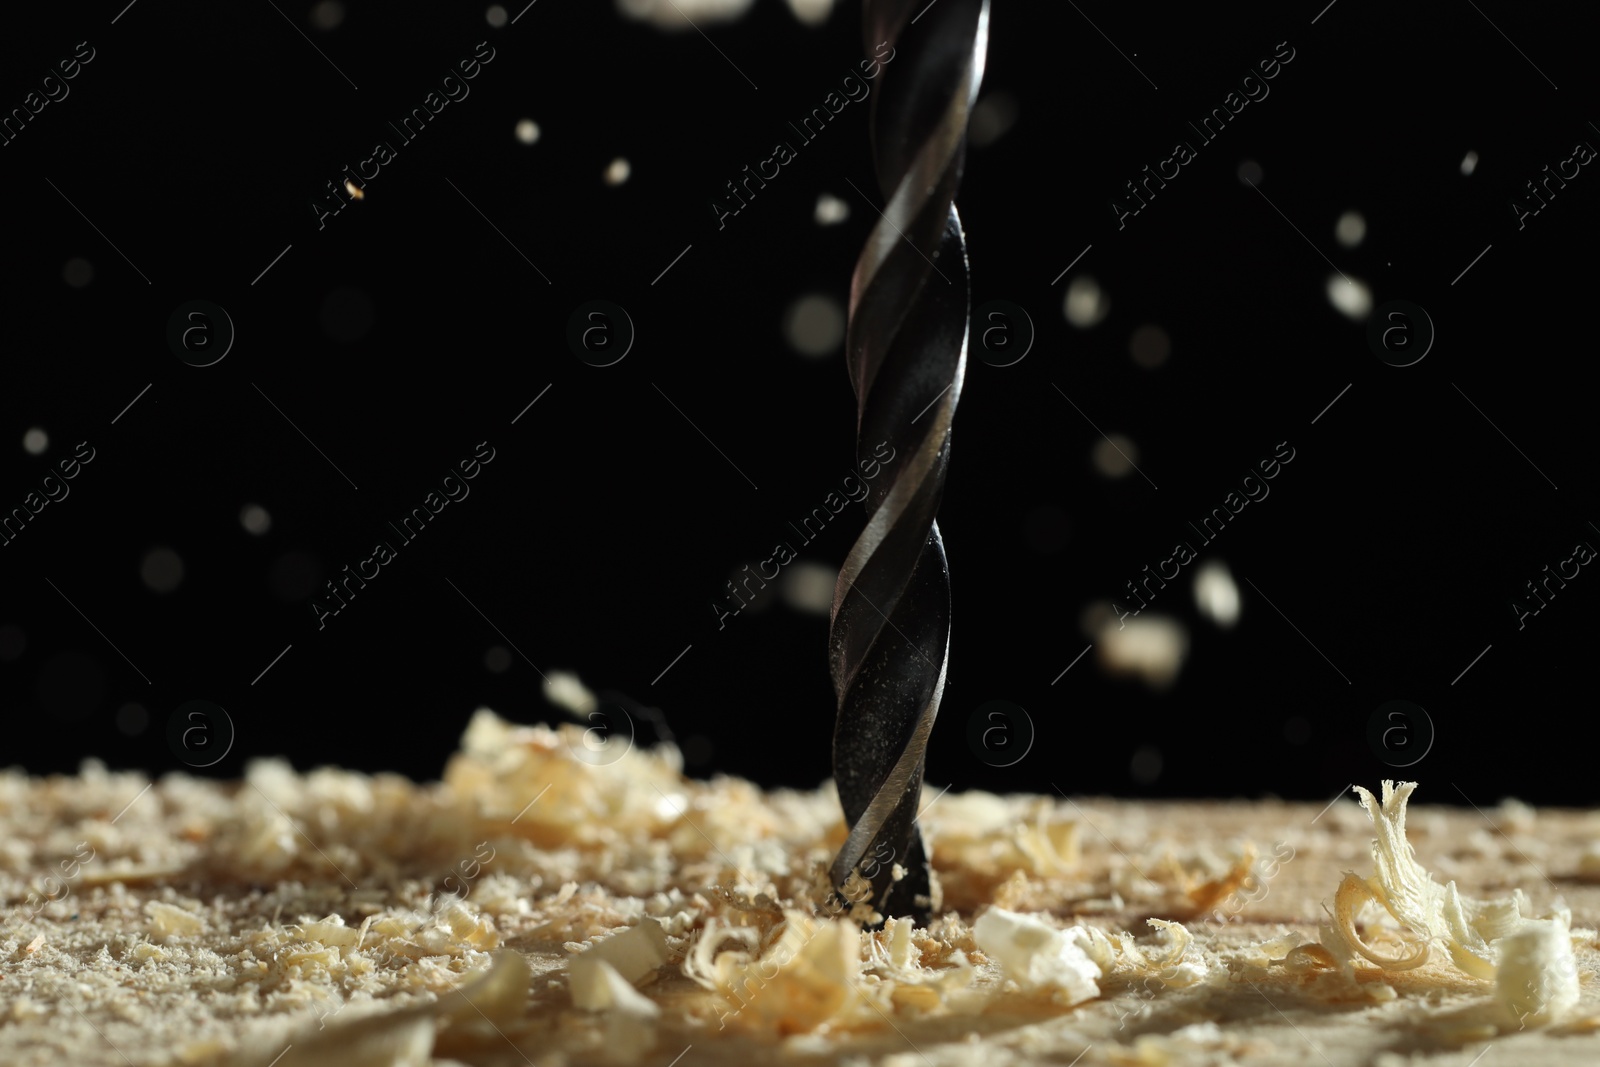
1207	895
1037	956
1529	959
631	955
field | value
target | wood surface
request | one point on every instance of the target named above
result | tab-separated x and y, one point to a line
188	922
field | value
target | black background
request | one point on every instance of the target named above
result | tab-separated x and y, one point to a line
597	540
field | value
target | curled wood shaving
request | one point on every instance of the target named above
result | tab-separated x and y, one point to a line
804	977
1354	892
1313	957
1179	941
1528	958
1428	914
1050	846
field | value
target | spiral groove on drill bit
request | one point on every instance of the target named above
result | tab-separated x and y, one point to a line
889	638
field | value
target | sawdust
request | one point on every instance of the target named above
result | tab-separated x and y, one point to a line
339	918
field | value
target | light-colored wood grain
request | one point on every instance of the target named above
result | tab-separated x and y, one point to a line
287	919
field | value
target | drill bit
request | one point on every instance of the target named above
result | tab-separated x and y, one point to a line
889	636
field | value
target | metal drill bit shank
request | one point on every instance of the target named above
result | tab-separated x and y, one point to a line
907	346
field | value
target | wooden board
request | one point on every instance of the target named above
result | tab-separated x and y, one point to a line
326	918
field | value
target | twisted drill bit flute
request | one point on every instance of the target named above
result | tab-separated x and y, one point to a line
889	637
